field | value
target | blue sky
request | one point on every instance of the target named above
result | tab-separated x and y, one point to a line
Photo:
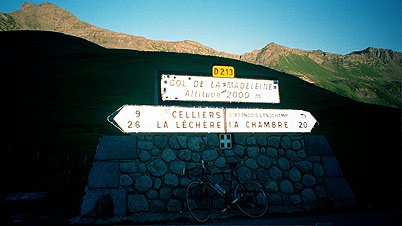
240	26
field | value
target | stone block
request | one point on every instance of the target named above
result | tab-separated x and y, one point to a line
195	144
146	145
157	206
92	196
161	141
331	166
128	167
317	145
286	143
126	180
338	188
240	138
209	155
212	141
251	141
253	152
168	155
174	205
143	183
104	175
171	179
261	140
274	141
117	147
157	167
137	203
174	143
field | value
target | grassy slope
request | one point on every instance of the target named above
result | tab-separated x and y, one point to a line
359	82
59	90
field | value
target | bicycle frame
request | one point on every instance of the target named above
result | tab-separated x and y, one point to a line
203	178
243	194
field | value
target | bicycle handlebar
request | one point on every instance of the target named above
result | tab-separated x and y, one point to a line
202	166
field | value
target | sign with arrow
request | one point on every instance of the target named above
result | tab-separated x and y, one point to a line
170	119
161	119
268	121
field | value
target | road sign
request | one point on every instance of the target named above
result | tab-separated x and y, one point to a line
268	121
211	89
161	119
169	119
223	71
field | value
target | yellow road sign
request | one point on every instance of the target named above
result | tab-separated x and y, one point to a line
223	71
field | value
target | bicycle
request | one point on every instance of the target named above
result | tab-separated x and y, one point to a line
248	196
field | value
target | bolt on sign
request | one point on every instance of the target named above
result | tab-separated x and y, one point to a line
169	119
214	89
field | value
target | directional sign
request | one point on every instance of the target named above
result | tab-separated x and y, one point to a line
268	121
211	89
160	119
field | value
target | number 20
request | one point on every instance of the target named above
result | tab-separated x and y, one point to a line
302	125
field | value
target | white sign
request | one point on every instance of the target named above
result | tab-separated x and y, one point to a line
158	119
161	119
268	121
212	89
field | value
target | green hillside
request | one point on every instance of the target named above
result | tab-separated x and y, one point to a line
58	90
7	23
358	81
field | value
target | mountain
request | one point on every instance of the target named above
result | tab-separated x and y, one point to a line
49	17
371	75
60	89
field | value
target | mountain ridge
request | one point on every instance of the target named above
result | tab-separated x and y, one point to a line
372	75
62	87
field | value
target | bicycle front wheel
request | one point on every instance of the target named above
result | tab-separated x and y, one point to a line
252	200
198	201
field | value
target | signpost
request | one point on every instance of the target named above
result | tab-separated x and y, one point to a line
222	87
169	119
212	89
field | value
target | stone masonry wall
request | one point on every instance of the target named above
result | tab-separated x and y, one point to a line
139	177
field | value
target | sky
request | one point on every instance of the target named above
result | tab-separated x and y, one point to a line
240	26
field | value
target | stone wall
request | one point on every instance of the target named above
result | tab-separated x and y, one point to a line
139	177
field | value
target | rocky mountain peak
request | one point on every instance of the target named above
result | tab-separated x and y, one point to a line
46	16
44	9
272	46
26	6
386	57
382	68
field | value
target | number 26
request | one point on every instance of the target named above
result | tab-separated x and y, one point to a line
136	124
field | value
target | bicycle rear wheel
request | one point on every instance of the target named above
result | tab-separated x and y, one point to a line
198	201
252	200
